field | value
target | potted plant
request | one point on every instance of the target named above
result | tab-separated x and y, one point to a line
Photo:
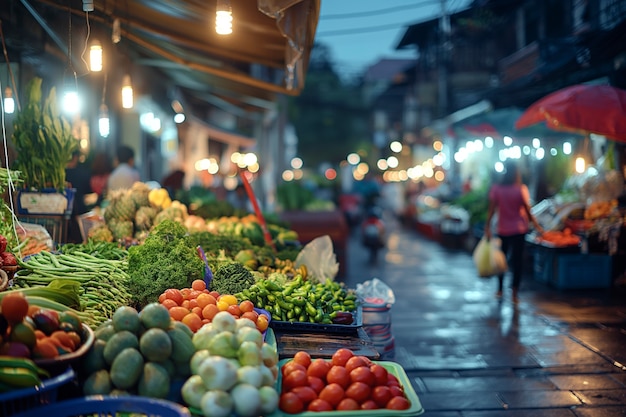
44	143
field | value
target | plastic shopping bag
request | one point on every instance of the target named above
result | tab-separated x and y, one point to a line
319	258
375	291
489	258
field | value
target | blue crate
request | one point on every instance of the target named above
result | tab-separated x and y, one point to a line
582	271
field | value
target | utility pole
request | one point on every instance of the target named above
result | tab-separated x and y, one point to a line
444	52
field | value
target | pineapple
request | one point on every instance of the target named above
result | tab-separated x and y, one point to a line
145	217
139	194
100	233
121	228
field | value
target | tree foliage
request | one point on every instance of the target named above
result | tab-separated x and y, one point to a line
329	116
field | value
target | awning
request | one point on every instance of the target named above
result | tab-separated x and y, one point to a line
267	53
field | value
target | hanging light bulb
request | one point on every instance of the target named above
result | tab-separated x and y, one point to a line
223	18
71	101
95	56
127	93
116	34
8	102
104	126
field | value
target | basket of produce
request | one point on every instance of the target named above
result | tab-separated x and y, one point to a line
345	382
105	405
45	393
52	339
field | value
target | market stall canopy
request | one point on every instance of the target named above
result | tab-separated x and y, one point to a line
584	108
266	54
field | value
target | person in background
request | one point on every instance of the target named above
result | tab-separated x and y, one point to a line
100	171
173	182
511	201
125	174
77	177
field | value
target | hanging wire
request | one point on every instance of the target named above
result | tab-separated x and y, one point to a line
9	69
82	55
70	67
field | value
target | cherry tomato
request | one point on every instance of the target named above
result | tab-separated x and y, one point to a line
381	394
339	375
319	405
358	391
355	362
341	356
290	367
333	393
303	358
369	405
295	378
316	383
319	368
347	404
396	391
306	394
363	374
290	403
398	403
380	373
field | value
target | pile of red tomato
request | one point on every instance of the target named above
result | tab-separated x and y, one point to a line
345	382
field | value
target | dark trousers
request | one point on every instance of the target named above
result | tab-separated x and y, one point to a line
513	248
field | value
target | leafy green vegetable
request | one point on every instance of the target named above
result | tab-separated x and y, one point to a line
231	278
167	259
213	243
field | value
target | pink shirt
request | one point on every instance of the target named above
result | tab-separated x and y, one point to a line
509	203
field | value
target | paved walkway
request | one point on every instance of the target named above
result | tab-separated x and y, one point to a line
554	354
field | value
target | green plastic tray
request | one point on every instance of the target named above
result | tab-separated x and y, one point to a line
414	410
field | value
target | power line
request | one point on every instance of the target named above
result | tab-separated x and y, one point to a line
379	11
362	30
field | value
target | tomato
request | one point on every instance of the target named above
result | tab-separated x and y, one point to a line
290	403
319	405
347	404
396	391
316	383
305	393
363	374
341	356
355	362
381	394
398	403
368	361
294	379
290	367
333	393
246	306
339	375
303	358
358	391
369	405
392	380
319	368
380	373
174	294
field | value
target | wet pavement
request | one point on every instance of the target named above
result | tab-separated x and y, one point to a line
557	353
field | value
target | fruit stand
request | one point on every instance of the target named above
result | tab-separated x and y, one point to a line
201	314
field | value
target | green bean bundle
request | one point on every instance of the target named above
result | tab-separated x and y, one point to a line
103	281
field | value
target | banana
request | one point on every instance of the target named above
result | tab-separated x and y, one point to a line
19	377
14	362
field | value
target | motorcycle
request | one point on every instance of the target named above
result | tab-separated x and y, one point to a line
373	232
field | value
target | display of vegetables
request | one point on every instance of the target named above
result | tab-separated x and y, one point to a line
302	301
231	278
233	370
104	282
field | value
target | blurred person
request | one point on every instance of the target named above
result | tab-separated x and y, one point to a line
77	177
510	200
100	171
125	174
173	182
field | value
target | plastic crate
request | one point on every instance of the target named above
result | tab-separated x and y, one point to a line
22	400
582	271
103	405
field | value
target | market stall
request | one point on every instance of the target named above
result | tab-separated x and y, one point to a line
202	315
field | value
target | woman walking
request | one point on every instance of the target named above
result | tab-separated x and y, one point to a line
511	201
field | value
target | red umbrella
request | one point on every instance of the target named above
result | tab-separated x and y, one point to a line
599	109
